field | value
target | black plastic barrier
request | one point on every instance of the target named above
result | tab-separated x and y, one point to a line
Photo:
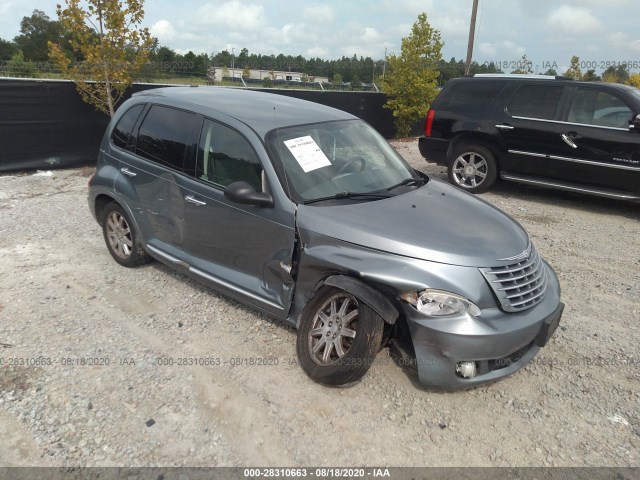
45	124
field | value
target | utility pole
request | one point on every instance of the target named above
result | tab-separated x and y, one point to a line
472	33
384	64
233	62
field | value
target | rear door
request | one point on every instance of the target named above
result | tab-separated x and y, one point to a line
528	133
161	155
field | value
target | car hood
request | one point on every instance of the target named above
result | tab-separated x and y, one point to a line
436	222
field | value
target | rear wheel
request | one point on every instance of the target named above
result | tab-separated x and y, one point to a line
338	338
121	237
472	168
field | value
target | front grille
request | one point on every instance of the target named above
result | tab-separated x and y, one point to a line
519	286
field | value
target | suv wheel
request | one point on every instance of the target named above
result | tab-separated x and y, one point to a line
121	237
338	338
472	168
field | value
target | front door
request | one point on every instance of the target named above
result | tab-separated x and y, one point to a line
246	250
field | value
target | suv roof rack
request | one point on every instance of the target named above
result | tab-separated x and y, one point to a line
520	75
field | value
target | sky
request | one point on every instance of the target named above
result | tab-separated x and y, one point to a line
549	32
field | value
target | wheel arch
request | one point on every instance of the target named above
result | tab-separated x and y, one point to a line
482	140
366	294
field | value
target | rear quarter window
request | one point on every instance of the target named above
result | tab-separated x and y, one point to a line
121	136
535	101
470	96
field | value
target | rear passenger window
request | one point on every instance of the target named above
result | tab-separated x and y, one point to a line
121	134
225	156
470	96
165	136
535	101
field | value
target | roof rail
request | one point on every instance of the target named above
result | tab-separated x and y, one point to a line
520	75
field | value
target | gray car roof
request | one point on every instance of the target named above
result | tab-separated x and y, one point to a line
259	110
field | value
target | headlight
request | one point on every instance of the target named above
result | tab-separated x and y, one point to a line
438	303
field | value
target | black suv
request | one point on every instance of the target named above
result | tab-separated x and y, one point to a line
540	130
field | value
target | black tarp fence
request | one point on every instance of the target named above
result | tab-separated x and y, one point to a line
44	124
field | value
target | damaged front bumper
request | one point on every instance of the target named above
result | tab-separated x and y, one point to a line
466	351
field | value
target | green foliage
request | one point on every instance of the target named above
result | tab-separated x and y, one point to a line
634	80
7	49
618	74
336	79
525	66
591	76
35	33
108	35
356	84
456	68
246	73
574	70
19	67
412	78
552	72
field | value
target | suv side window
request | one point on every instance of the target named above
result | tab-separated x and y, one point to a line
470	96
593	107
121	135
535	101
165	135
225	156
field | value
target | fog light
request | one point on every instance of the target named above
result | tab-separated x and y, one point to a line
466	369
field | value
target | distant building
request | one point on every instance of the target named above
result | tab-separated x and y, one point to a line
269	74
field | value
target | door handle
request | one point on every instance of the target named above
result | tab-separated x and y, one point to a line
128	172
568	140
504	126
195	201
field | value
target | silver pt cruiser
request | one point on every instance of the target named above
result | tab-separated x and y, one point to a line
307	214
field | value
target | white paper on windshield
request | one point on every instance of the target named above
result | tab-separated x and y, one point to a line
307	153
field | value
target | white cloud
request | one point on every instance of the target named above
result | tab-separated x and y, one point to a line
234	15
317	52
163	30
576	20
320	14
623	42
487	49
370	35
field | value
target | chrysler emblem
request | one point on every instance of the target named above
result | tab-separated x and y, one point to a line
525	254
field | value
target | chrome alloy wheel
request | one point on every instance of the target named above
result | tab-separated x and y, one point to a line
119	235
469	170
333	329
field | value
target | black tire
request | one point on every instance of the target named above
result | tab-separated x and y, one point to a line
358	351
472	168
121	237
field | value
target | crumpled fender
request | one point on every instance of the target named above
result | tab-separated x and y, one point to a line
366	294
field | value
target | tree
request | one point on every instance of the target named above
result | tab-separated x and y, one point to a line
411	79
336	79
246	72
35	33
356	83
7	49
552	72
574	70
591	76
618	74
525	66
109	36
634	80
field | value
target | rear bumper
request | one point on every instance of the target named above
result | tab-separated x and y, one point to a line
434	149
498	343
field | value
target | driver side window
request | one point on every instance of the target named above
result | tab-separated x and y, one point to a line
225	156
591	107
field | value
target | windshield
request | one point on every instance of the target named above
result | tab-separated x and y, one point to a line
326	159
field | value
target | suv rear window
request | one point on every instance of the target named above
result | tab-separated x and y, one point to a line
535	101
165	135
121	134
470	96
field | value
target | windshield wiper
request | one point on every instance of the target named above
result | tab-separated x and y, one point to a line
342	195
409	181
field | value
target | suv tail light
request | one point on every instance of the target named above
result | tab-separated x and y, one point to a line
428	124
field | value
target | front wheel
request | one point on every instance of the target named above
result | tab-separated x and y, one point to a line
472	168
338	338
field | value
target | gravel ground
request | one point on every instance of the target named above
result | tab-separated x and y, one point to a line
63	300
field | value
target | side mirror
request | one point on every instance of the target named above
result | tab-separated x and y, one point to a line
636	124
243	193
